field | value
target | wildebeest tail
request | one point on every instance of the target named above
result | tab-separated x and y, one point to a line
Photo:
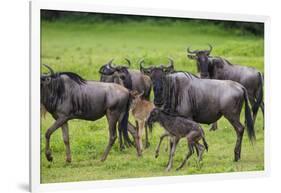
124	125
248	117
204	139
259	96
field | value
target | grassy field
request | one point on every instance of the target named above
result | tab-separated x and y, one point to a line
83	47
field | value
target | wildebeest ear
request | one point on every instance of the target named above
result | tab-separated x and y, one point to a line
46	80
193	57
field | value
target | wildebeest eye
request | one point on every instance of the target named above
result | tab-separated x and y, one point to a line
46	80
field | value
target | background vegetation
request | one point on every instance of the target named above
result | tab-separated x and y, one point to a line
81	43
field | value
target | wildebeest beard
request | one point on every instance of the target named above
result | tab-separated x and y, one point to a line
158	89
166	92
173	94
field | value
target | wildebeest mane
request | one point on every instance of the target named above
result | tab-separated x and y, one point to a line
187	74
73	76
173	93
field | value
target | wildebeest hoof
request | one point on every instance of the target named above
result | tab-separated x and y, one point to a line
49	156
147	145
178	168
236	159
156	155
122	147
68	160
213	129
168	169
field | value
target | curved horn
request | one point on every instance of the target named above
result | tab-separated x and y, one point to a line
140	63
129	62
110	63
190	51
171	62
210	48
50	69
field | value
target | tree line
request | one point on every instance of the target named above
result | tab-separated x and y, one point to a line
254	28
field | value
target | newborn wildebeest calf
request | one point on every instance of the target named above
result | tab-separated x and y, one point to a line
178	127
140	110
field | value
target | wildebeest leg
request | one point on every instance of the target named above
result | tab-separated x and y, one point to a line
120	135
58	123
147	144
252	101
112	121
139	134
197	150
190	152
214	126
133	131
159	144
262	110
65	135
262	107
239	128
200	148
172	152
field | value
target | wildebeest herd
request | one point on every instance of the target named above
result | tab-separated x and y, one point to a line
182	101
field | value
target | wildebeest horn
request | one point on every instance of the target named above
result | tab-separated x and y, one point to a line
50	69
110	64
209	51
141	62
171	62
190	51
129	62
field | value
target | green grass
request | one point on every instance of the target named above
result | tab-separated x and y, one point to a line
83	47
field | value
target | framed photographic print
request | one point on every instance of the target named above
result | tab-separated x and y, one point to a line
125	95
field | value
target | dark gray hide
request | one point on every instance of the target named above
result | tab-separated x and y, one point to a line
67	96
203	101
222	69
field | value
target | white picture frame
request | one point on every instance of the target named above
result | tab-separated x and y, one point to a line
36	6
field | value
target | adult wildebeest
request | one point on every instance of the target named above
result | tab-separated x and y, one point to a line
222	69
204	101
178	127
129	78
66	96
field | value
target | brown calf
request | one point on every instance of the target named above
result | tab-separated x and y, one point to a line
140	109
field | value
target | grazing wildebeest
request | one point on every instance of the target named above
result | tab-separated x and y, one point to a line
140	110
222	69
129	78
202	100
66	96
178	127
